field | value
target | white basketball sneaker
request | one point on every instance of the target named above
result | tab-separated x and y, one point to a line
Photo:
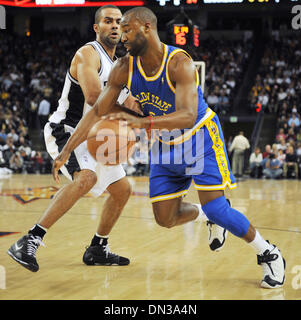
273	266
217	236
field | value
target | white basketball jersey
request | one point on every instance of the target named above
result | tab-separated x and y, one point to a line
72	104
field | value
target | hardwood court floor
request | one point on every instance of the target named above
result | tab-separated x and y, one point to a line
165	263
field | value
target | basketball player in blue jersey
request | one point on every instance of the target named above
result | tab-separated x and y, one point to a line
85	79
166	83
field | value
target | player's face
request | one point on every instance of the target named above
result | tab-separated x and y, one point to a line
108	27
133	37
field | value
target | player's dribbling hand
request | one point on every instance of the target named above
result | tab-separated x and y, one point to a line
132	121
60	160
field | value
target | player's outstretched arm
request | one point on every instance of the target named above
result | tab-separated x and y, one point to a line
103	105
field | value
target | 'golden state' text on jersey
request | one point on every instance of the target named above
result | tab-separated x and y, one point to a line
157	93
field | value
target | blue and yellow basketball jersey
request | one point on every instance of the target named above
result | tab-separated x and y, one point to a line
204	161
157	94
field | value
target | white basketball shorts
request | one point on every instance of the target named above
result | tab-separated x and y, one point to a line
56	136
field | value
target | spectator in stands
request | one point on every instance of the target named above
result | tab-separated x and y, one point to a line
223	103
285	128
16	162
290	166
290	135
282	145
263	99
267	152
256	163
43	112
281	157
295	129
8	151
22	144
239	144
38	162
294	120
14	136
33	109
275	149
272	168
2	136
281	135
212	101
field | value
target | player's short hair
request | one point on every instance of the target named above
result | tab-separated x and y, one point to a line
99	11
143	14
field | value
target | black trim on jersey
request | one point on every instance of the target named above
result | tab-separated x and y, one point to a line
104	50
76	106
71	78
61	138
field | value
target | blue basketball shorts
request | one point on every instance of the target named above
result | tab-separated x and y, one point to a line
198	155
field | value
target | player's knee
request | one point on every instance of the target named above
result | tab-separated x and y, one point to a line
121	192
163	220
85	180
125	193
166	223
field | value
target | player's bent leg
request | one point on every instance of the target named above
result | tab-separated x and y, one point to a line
218	210
24	250
66	197
98	253
174	212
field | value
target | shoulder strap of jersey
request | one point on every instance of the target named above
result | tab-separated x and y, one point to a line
101	52
172	54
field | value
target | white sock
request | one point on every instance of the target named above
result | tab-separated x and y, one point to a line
259	244
201	217
101	241
100	236
45	229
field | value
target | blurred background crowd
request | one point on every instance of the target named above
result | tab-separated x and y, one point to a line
33	69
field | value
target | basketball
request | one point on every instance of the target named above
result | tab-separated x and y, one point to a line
111	142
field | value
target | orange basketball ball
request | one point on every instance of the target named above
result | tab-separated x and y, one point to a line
111	142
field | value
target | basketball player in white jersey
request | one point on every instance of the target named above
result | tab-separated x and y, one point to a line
86	78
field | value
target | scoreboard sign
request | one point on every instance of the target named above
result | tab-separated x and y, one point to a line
183	35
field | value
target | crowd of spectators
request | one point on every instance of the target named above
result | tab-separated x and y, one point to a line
32	73
282	159
277	87
16	152
277	90
225	65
